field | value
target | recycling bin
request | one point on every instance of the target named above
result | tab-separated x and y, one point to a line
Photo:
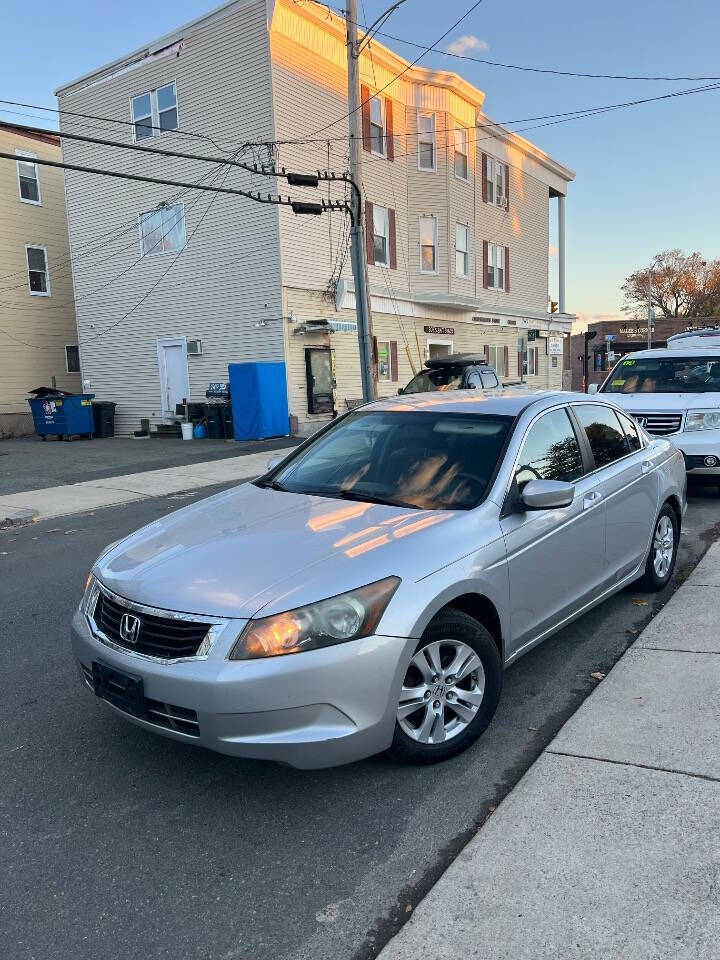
63	415
103	418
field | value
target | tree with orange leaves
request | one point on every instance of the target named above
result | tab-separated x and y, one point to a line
681	286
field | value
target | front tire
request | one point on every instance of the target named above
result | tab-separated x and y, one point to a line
663	552
450	691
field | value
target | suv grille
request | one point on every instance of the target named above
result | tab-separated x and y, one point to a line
659	423
163	637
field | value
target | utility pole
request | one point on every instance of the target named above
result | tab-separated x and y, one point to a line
651	314
357	248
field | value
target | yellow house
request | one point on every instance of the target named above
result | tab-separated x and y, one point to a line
38	335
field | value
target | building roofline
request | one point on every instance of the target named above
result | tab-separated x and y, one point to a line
49	137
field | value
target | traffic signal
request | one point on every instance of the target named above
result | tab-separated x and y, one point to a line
553	306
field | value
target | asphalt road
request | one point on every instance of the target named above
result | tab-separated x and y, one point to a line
118	844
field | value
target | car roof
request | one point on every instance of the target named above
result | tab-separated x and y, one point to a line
662	353
508	403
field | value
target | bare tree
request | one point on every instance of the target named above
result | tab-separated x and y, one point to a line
681	286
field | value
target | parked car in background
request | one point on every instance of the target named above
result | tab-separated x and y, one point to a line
675	393
368	591
456	371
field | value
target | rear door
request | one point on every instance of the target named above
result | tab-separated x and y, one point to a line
627	481
556	558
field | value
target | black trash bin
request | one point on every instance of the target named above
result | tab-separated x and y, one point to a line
104	418
214	419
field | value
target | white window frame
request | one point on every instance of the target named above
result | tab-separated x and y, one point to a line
438	343
436	257
161	252
427	138
496	252
376	98
23	156
67	365
466	272
496	359
386	225
38	293
465	153
533	361
495	166
154	112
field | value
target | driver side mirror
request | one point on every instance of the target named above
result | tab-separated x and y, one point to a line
400	392
273	462
593	388
546	495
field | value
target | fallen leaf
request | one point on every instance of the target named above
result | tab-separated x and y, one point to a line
54	530
70	531
638	602
492	808
597	675
408	908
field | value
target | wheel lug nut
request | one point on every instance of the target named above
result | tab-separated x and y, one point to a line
450	679
435	678
449	695
427	694
437	704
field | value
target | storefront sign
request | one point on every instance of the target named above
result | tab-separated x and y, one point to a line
443	331
554	346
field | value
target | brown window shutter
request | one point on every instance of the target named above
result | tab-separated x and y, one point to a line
486	351
485	263
506	358
392	242
393	361
507	187
507	269
369	231
389	138
365	101
520	364
484	178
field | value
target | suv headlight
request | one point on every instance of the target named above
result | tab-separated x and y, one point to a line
703	420
348	616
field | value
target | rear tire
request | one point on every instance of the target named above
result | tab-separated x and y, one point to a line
663	552
450	691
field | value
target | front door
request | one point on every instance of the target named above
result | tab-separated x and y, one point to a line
320	380
556	558
173	371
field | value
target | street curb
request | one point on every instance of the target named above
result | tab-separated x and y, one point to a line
18	519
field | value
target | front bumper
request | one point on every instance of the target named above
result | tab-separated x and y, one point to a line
315	709
696	447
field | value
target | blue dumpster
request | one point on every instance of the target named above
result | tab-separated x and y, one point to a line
63	415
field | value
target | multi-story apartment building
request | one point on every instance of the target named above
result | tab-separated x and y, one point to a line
38	338
457	213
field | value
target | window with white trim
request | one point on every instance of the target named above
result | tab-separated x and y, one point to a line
381	236
428	245
496	175
154	112
533	365
462	250
496	266
383	359
72	358
461	153
162	230
28	178
426	141
38	276
496	359
377	126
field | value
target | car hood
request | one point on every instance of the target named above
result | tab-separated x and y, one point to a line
253	548
651	402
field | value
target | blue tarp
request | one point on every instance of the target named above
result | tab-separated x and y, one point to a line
258	393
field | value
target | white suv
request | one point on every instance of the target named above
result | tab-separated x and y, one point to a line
675	393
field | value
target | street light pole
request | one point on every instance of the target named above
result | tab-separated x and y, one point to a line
357	250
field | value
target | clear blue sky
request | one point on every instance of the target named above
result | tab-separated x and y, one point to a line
646	176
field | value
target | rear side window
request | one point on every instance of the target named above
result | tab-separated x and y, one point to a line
550	451
630	430
607	441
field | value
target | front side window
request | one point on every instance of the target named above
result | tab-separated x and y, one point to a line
426	460
38	277
496	266
381	233
607	441
428	245
550	451
674	375
72	358
154	112
162	230
462	250
28	178
426	141
461	153
377	128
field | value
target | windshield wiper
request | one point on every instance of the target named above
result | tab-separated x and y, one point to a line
271	485
349	494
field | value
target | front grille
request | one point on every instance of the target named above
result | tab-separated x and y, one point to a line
166	715
661	424
164	637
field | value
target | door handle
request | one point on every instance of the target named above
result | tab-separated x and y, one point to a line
590	499
646	466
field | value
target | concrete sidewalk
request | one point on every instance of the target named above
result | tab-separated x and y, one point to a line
609	847
72	498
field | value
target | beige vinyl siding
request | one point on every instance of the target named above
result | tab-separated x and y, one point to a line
45	324
227	278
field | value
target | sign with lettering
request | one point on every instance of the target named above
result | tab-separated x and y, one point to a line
443	331
554	346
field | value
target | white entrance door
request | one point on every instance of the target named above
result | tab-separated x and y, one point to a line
173	369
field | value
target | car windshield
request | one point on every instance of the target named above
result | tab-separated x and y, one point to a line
425	460
670	375
443	378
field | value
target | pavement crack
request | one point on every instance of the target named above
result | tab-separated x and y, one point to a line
640	766
711	653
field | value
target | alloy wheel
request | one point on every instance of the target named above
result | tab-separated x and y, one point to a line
663	547
442	691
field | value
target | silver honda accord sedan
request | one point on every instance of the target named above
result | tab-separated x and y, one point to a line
368	591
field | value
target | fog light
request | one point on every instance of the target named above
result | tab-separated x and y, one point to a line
711	461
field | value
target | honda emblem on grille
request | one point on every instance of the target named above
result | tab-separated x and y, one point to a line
130	628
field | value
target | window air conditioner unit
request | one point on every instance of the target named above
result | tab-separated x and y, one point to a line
194	348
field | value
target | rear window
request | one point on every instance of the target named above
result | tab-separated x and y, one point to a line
444	378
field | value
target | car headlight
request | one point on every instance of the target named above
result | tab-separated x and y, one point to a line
91	591
703	420
348	616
